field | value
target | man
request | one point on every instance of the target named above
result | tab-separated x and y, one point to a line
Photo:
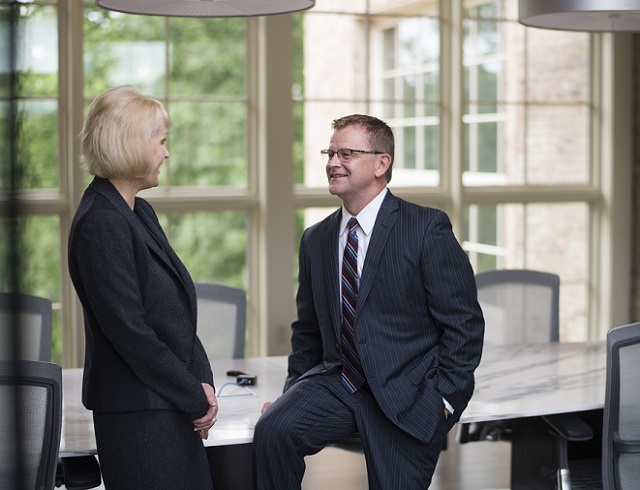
389	330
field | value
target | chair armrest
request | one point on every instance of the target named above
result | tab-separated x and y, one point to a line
569	426
623	446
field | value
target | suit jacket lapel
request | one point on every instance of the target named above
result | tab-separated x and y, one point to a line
161	246
384	224
104	187
329	255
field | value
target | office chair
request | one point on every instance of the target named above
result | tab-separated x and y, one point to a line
621	424
519	306
30	423
222	318
32	317
619	467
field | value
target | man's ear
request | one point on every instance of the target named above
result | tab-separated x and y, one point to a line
384	162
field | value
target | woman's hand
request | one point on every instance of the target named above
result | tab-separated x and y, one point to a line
206	422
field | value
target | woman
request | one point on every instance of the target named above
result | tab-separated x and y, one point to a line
146	375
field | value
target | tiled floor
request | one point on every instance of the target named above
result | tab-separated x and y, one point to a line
473	466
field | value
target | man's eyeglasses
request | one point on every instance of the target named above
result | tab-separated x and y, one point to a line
345	154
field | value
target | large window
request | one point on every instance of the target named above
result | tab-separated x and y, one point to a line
198	69
508	129
495	123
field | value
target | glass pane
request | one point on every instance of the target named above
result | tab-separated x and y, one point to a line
481	38
222	70
548	237
37	61
494	61
298	142
212	246
123	49
558	144
481	147
432	150
557	66
404	91
207	144
7	47
408	147
327	76
7	145
39	265
38	144
351	6
317	132
431	92
533	144
297	92
486	9
304	218
7	241
414	7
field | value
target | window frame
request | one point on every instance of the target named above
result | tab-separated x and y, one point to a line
271	196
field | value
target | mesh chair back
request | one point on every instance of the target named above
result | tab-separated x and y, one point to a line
519	306
222	314
30	424
27	319
621	426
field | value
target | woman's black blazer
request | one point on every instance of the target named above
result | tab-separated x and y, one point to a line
139	306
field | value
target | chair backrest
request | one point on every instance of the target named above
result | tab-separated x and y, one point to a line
29	319
519	306
222	318
30	424
621	422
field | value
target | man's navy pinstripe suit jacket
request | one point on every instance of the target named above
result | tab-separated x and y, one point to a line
418	326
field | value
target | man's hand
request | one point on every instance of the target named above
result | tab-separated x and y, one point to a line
206	422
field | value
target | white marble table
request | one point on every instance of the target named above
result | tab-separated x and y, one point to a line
538	379
511	382
238	414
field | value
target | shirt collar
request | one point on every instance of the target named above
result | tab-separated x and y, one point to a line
366	217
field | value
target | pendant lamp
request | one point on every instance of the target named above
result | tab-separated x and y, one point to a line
206	8
581	15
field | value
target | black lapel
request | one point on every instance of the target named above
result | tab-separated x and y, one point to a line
381	229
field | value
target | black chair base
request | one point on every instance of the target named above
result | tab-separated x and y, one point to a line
79	473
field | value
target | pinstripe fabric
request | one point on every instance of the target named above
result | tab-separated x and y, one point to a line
316	410
419	332
352	374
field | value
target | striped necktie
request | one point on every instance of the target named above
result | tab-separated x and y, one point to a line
352	373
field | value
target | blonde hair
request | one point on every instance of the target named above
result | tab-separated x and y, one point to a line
116	138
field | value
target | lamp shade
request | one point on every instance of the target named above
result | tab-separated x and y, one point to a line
206	8
581	15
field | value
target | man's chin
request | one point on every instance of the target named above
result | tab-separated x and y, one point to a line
334	190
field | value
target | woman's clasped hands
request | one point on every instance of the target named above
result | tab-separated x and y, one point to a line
207	421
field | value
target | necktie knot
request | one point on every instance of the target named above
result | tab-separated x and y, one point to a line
352	224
